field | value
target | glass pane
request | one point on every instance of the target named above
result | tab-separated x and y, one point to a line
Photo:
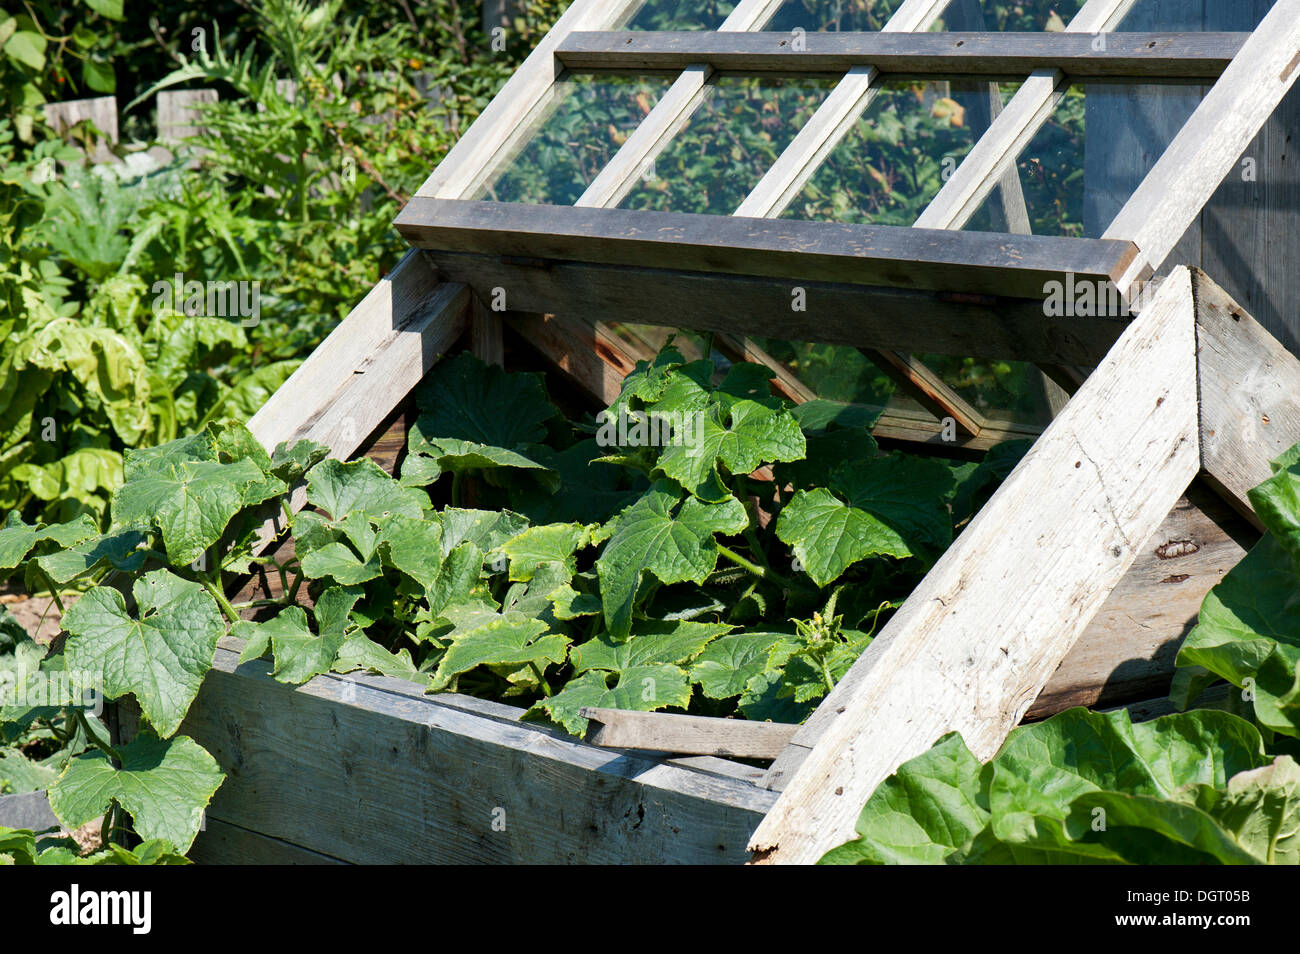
681	14
838	373
1092	153
589	119
1189	15
897	157
732	139
1012	16
1000	390
813	16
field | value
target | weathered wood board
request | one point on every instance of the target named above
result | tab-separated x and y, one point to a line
366	769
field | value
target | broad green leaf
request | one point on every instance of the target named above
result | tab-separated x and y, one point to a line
755	435
108	8
17	539
338	561
120	549
1042	768
359	651
291	461
553	543
27	48
569	604
639	688
825	453
1254	608
1277	504
465	399
164	785
361	487
671	542
459	574
651	643
907	493
1261	810
299	653
452	455
921	814
160	655
497	640
413	547
828	536
193	502
486	529
727	665
1150	830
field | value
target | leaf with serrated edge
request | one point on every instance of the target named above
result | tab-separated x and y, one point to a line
164	785
828	536
639	689
361	487
552	543
649	538
651	643
510	639
159	656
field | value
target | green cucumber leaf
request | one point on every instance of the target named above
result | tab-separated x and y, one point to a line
465	399
652	642
658	537
159	655
638	688
361	487
164	785
494	639
552	543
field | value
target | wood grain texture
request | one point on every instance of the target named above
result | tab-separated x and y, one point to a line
671	113
1250	395
100	112
801	251
1127	652
886	318
1171	197
348	768
686	734
996	152
978	639
220	843
1004	56
507	122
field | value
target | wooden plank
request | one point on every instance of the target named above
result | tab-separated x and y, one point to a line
802	251
668	117
511	116
30	810
923	385
1184	179
1127	652
996	152
220	843
100	112
485	330
180	113
978	639
346	769
1250	395
686	734
836	115
1004	56
886	318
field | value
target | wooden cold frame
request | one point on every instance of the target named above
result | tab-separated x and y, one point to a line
1190	343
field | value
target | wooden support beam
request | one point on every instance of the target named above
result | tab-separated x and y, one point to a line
668	117
1250	395
686	734
367	769
836	115
927	388
364	368
1004	56
969	262
886	318
986	165
978	639
515	111
1207	148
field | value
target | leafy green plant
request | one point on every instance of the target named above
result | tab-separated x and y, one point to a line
1090	788
621	561
1248	632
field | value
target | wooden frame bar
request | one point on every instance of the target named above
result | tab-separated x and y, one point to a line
988	162
668	117
1060	533
1142	56
1208	146
1019	266
837	114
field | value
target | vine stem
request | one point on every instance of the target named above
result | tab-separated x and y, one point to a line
94	739
231	613
760	572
